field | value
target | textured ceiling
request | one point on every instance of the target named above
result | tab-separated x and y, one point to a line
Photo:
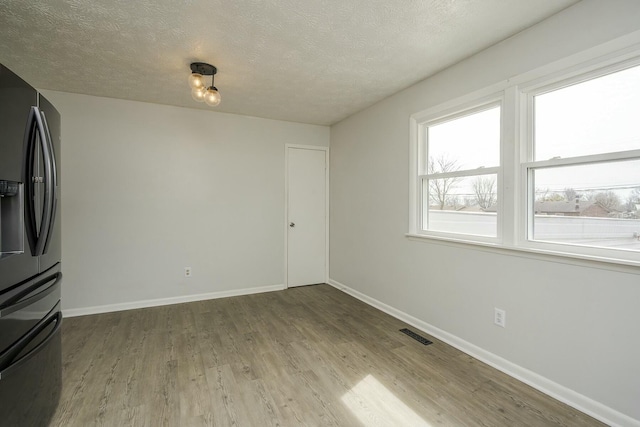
304	61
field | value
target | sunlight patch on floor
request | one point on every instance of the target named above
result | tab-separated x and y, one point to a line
374	405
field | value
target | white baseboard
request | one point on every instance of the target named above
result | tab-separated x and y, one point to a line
572	398
73	312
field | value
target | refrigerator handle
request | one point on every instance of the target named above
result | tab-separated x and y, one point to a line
18	301
14	351
29	178
51	184
48	182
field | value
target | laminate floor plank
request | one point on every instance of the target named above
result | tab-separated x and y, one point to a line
307	356
400	380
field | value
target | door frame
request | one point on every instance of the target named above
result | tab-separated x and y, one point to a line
286	207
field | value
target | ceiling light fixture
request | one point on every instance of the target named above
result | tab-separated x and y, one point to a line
199	91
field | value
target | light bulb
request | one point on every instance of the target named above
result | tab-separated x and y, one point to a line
198	94
196	81
212	96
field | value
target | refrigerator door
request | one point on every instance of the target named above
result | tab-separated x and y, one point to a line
52	249
16	99
31	377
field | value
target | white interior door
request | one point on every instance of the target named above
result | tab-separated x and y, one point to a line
306	216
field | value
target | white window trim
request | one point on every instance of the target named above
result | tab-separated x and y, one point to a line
515	95
528	164
435	116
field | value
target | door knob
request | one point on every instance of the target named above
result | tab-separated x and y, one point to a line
292	224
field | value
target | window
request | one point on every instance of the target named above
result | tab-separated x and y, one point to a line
583	166
546	164
460	167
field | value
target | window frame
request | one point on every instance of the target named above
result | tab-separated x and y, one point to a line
439	115
516	153
528	165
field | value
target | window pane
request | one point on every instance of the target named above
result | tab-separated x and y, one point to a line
591	205
597	116
466	205
467	142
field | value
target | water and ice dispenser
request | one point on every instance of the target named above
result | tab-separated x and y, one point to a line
11	218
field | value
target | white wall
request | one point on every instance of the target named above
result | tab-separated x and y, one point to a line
149	189
575	325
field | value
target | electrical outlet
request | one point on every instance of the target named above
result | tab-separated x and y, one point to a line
187	272
500	317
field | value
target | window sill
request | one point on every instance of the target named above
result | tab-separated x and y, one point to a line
612	264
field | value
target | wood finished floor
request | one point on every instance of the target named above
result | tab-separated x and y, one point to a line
304	356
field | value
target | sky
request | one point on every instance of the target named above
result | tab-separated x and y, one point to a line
593	117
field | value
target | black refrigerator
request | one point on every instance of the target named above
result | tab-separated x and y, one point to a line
30	248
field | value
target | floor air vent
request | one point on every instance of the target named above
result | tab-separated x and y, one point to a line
415	336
